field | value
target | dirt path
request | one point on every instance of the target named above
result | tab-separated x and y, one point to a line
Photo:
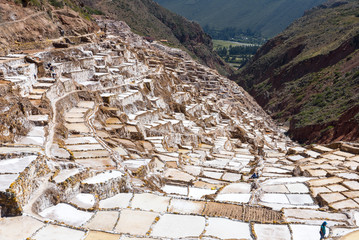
23	19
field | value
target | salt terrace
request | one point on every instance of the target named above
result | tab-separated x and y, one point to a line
140	142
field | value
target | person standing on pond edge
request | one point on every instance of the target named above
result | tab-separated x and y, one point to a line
322	230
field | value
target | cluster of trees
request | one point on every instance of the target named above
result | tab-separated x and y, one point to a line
237	50
237	55
234	34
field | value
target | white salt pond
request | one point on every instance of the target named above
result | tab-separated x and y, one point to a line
236	188
18	227
307	232
172	189
234	197
198	193
6	180
66	213
178	226
54	232
103	177
185	207
277	232
65	174
84	200
227	229
135	222
150	202
121	200
103	220
15	165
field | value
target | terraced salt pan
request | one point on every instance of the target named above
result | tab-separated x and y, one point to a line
37	132
80	140
78	110
103	177
185	207
236	188
297	188
172	189
227	229
31	140
84	200
74	115
77	127
150	202
86	104
9	227
121	200
313	214
300	199
66	213
306	232
234	197
232	177
6	180
168	226
135	222
277	232
339	231
94	235
198	193
193	170
16	165
85	147
54	232
92	154
135	164
103	220
24	150
275	198
65	174
286	180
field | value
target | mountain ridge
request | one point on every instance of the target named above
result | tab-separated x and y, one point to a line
267	18
310	74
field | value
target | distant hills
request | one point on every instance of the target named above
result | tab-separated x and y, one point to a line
147	18
251	17
308	75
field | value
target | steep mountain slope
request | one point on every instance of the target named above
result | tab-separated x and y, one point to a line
262	16
149	19
28	24
309	74
31	26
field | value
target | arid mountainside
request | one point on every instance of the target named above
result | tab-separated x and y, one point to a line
28	25
309	74
147	18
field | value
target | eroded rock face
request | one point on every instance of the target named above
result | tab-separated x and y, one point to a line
130	137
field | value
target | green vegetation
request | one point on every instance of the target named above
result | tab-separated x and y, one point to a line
243	20
312	67
235	53
56	3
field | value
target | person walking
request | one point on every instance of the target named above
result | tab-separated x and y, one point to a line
323	230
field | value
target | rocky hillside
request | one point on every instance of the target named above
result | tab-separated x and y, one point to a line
30	23
309	74
147	18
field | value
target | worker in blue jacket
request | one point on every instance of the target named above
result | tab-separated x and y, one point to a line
323	230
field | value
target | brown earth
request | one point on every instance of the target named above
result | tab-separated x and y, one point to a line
308	76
